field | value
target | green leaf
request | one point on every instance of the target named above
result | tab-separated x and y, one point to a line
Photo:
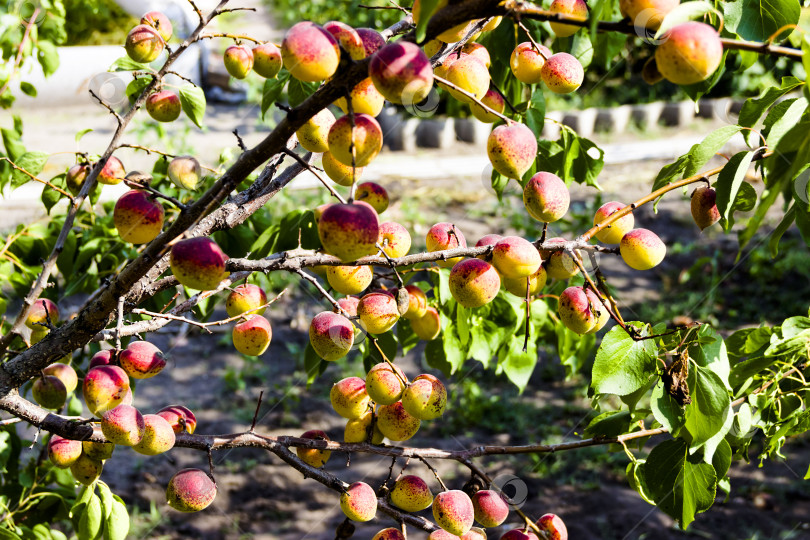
635	476
28	89
700	154
754	108
683	13
666	410
706	415
125	63
622	364
710	352
728	183
721	461
780	230
298	91
91	520
48	57
427	9
192	99
314	365
517	364
272	90
136	87
536	113
781	118
50	196
33	162
609	424
758	20
82	133
681	485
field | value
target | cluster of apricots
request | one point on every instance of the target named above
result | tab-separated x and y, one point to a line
385	403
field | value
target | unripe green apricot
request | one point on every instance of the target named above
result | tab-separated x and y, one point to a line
64	373
425	398
185	172
411	493
359	502
49	391
396	423
97	450
190	490
349	397
641	249
453	511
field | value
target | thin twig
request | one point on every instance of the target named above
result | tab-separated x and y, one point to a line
34	177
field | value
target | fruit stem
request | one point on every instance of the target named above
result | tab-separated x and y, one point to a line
470	95
534	43
434	471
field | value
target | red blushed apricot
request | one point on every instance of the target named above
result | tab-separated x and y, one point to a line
378	312
164	106
396	423
417	303
349	305
158	436
144	44
180	418
641	249
104	388
394	239
512	149
470	74
425	398
474	282
138	217
349	397
647	13
101	358
385	383
527	63
252	336
266	60
373	194
112	173
366	99
142	360
42	311
690	53
453	511
349	231
477	50
401	71
123	425
491	508
76	176
359	502
489	240
313	457
310	53
553	526
246	297
63	452
444	236
576	8
575	310
389	534
372	40
428	326
331	335
515	257
492	99
613	233
704	207
190	490
198	263
363	141
411	494
159	22
562	73
546	197
519	534
348	38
